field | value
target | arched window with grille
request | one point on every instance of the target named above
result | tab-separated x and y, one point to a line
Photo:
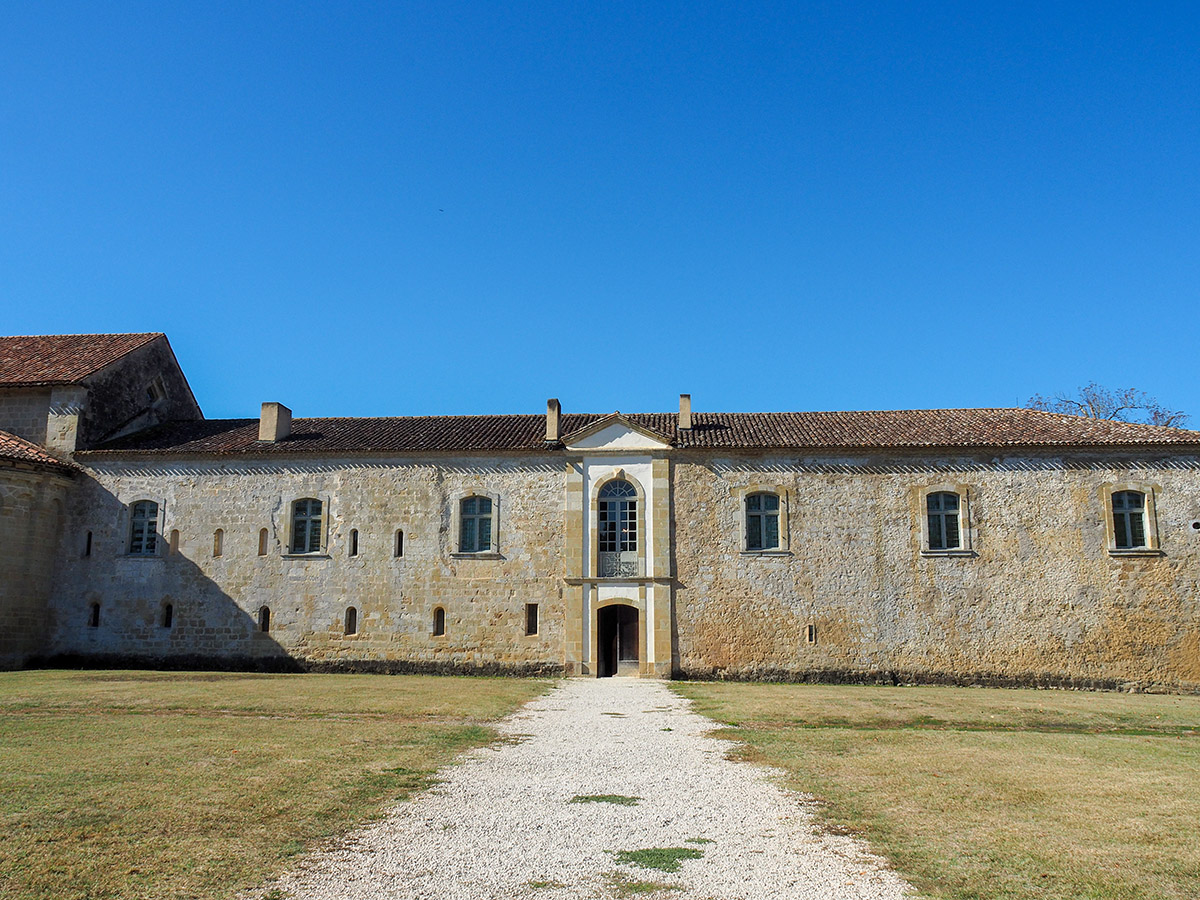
617	529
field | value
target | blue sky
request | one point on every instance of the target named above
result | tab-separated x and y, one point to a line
466	208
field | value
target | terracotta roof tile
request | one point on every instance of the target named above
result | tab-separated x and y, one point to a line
16	449
881	430
62	358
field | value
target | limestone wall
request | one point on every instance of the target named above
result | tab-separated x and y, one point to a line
23	412
31	516
117	394
1040	598
216	600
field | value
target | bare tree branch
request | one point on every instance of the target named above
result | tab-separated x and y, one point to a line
1095	401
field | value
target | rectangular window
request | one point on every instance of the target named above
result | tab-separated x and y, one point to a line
531	618
143	531
1129	519
475	525
762	522
942	509
306	526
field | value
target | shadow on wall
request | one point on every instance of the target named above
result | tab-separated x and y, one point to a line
117	604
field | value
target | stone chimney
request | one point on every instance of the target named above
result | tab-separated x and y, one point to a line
275	423
553	416
685	412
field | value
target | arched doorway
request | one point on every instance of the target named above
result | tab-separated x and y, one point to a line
617	640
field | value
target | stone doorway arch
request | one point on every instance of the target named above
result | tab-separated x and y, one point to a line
618	640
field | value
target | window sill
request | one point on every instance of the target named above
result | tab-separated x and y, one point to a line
765	553
951	553
142	556
306	556
1136	551
484	554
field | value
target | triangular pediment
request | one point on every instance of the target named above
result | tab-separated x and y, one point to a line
615	432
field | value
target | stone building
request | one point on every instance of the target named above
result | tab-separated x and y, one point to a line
993	545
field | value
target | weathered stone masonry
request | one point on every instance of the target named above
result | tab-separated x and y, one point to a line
1039	597
216	600
778	545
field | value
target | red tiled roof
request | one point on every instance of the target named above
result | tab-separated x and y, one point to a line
887	430
18	449
62	358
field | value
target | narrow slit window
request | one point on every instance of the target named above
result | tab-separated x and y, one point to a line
531	618
168	615
439	622
218	542
351	621
264	619
353	545
173	544
399	550
87	544
94	616
811	634
262	542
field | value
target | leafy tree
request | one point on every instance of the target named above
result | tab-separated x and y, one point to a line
1097	402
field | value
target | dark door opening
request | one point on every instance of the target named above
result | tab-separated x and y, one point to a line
617	641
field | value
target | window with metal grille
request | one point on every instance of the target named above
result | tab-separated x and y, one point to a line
531	618
942	509
1129	519
306	526
143	528
475	525
762	522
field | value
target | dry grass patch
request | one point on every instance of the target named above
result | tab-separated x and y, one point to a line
163	785
998	794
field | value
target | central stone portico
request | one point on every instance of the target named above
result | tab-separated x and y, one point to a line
618	555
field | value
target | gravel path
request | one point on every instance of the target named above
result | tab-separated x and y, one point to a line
502	824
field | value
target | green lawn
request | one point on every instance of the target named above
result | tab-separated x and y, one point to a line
196	785
996	794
